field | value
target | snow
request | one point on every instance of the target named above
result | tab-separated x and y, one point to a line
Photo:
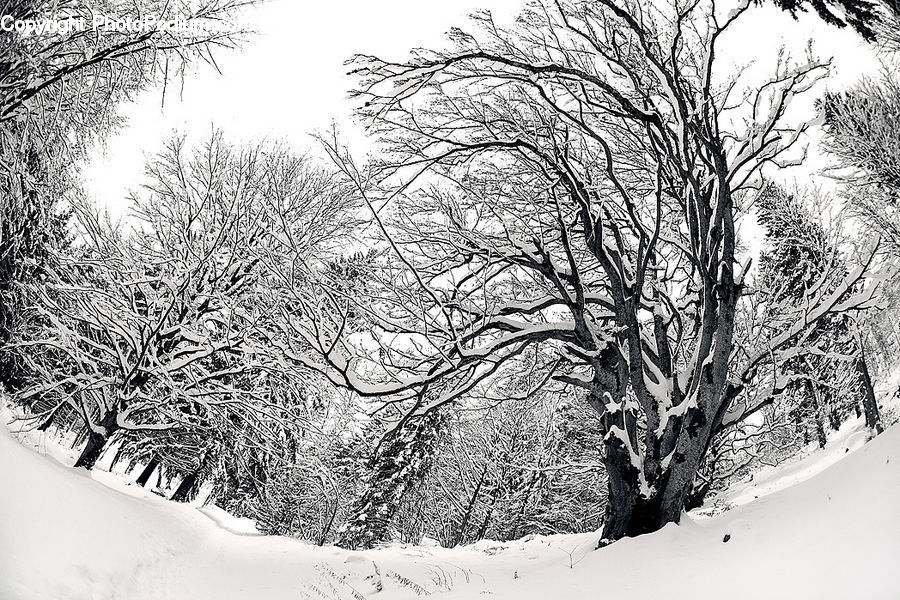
812	533
813	460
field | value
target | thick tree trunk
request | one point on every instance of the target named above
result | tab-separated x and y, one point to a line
702	484
144	477
630	514
687	458
636	507
186	489
870	404
622	495
97	441
629	511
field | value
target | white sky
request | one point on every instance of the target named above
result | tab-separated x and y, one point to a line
290	79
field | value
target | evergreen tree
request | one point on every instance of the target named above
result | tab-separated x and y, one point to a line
399	462
862	15
33	229
798	254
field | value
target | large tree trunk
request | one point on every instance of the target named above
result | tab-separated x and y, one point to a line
631	511
702	485
144	477
97	441
187	489
628	512
637	506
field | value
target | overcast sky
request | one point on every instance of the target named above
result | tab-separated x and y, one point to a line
290	79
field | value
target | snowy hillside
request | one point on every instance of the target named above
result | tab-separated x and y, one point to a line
66	536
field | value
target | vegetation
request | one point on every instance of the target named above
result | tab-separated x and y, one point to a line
533	308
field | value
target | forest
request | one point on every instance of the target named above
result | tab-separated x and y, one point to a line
572	285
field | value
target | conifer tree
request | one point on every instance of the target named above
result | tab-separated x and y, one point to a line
862	15
398	463
798	253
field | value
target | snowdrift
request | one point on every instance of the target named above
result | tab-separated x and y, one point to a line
66	536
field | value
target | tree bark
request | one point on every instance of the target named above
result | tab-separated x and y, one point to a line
628	514
97	441
633	511
870	404
186	489
144	477
637	507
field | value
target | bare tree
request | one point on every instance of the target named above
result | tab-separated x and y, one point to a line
76	74
513	468
59	88
862	134
571	185
861	127
138	330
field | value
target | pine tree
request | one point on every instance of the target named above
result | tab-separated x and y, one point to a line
862	129
862	15
33	229
399	462
799	253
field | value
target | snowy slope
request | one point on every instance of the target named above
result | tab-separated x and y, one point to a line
810	461
66	536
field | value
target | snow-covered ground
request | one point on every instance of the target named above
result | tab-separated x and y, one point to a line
809	461
809	534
